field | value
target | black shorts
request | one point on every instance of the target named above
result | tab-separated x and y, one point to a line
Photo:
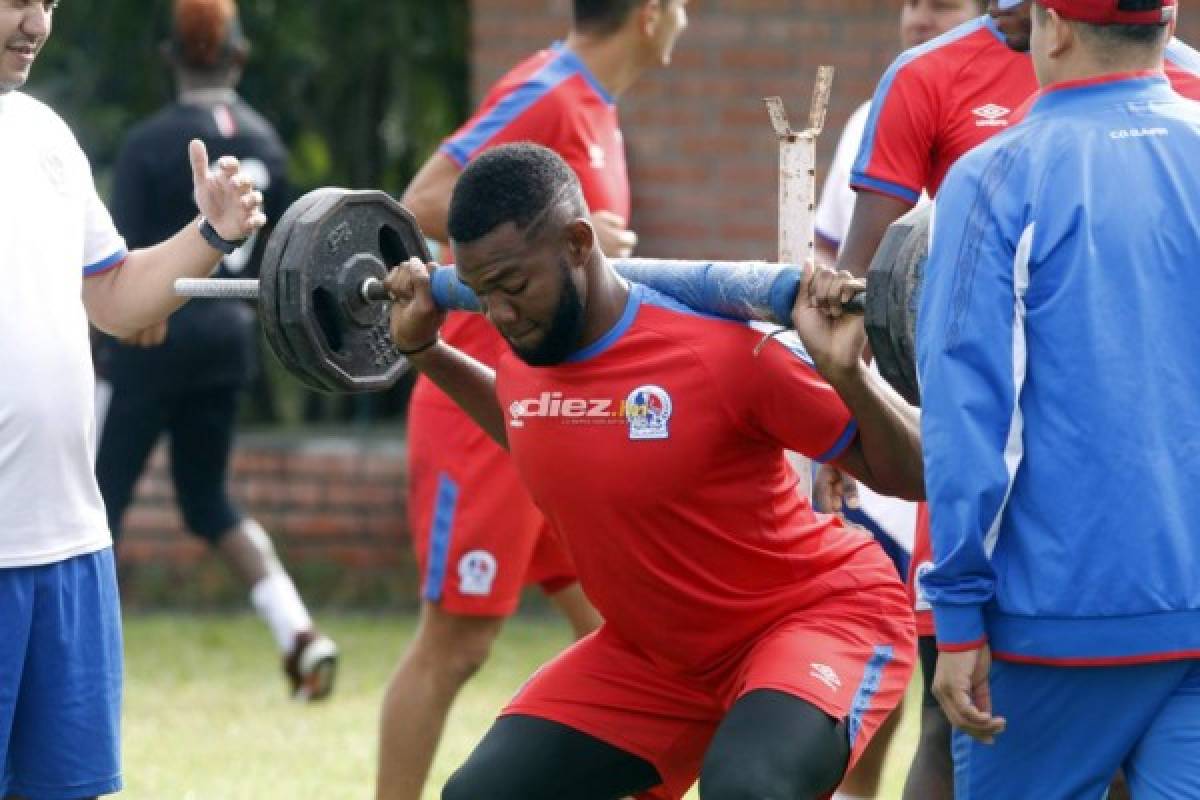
199	423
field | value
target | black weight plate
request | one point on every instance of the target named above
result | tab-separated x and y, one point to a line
916	253
336	243
893	293
269	291
878	316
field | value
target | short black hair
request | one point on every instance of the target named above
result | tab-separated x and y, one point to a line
602	17
510	183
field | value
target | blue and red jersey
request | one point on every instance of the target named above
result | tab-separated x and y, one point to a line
551	99
658	454
949	95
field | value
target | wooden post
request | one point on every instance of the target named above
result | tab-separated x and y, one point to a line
798	195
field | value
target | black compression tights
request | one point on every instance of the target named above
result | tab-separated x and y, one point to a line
771	746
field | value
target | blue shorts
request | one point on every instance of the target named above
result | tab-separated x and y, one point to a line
60	679
1071	728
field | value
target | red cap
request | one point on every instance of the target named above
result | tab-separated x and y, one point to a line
1110	12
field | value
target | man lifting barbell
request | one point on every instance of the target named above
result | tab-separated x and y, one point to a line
322	275
323	302
683	492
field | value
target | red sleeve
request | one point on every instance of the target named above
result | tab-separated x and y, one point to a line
1184	82
896	155
520	116
788	401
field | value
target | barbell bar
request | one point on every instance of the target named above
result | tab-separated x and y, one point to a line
324	307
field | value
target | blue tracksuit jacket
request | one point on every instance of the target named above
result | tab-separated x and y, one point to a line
1059	358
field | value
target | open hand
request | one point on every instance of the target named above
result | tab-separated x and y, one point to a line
614	238
225	195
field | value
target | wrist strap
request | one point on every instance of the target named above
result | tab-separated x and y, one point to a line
428	345
215	240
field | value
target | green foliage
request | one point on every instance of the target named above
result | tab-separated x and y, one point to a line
360	91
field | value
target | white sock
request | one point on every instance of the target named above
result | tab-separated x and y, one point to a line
276	600
844	796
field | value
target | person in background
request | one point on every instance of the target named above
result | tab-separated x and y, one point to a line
185	378
477	534
64	264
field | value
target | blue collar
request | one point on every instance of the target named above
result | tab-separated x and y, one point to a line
991	25
1143	86
572	59
615	332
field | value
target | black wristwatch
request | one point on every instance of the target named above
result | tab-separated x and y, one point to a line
215	240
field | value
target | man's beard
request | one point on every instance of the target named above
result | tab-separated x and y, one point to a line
566	329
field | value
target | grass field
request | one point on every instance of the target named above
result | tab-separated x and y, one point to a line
206	716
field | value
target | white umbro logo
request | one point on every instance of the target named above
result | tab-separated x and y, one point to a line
825	674
597	156
991	116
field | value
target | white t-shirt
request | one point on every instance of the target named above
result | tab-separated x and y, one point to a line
837	198
54	230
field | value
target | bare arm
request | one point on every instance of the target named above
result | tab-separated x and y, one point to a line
141	292
873	213
886	453
428	196
415	323
469	383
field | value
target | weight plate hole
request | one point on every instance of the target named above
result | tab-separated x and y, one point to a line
325	309
391	247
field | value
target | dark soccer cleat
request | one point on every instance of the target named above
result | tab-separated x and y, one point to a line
311	666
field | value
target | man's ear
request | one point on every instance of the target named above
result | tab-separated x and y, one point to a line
1062	36
649	17
581	240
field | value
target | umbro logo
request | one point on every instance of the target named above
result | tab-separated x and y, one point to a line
826	675
991	116
597	157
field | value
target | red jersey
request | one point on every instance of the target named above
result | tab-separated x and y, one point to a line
551	99
936	102
941	99
658	454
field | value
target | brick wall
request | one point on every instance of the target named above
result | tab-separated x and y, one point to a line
703	158
335	507
702	154
703	162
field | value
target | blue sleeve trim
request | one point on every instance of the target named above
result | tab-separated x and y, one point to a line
861	181
470	140
439	538
105	264
867	148
833	242
841	444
